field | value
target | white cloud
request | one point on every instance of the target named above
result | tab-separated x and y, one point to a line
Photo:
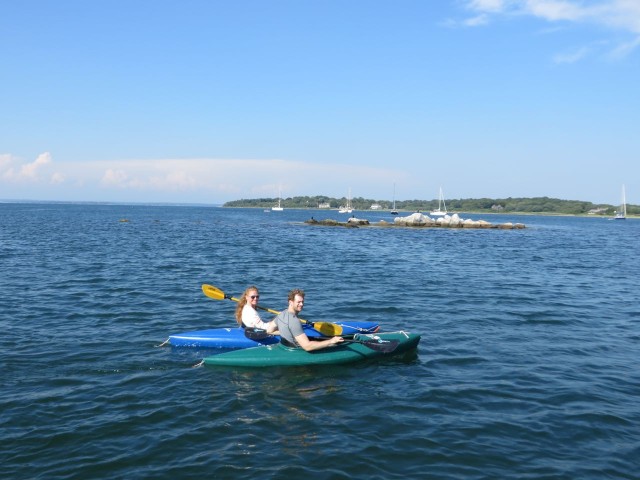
477	21
624	49
571	57
12	170
620	16
177	180
487	5
30	170
195	180
5	161
114	178
554	10
160	175
624	15
57	178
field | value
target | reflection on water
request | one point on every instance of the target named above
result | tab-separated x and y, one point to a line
528	353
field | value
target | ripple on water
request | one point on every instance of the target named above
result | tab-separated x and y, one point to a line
526	367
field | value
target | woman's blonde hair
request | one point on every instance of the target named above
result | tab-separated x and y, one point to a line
243	302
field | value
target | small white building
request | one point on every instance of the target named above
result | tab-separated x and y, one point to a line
597	211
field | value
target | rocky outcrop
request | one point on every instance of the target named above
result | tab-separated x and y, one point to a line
450	221
415	219
418	219
357	221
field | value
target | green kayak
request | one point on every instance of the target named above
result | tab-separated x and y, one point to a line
363	346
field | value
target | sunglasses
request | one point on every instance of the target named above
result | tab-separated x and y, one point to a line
252	297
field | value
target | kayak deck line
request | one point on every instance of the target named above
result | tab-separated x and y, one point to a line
235	338
362	347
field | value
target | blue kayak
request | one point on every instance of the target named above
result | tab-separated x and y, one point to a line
234	338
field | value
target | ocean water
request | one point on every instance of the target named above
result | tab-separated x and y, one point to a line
527	367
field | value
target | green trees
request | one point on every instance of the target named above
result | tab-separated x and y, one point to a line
466	205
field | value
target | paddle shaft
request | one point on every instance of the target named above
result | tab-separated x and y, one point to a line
383	346
255	333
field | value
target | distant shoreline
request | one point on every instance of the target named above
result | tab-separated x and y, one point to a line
510	205
314	209
89	202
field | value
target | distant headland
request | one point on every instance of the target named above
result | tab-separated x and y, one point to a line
535	205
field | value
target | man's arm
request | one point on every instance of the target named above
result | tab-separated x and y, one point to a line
309	345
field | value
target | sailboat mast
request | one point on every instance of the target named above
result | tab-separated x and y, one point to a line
394	196
393	210
621	214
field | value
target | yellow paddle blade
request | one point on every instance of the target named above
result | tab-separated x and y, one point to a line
212	292
328	329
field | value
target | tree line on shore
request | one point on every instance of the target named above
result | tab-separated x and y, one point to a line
488	205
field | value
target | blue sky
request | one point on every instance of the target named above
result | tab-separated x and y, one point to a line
204	101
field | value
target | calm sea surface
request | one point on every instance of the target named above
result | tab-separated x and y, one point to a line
528	366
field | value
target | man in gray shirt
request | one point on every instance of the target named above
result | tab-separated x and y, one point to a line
290	328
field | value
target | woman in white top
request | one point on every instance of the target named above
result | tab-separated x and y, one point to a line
247	311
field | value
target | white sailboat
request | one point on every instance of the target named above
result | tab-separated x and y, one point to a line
393	210
622	214
441	205
278	208
346	208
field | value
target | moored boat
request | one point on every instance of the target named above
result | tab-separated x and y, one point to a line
235	338
279	207
393	210
622	213
348	208
362	347
442	207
